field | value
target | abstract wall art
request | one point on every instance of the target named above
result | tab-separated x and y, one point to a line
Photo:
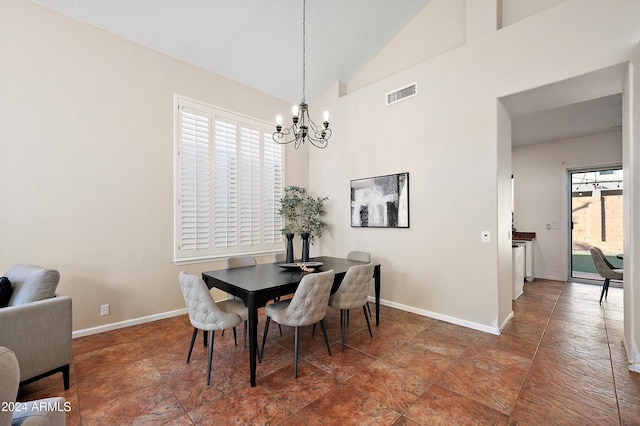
380	202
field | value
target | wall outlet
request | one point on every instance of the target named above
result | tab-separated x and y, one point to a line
104	309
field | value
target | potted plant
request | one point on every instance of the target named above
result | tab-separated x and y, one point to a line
303	214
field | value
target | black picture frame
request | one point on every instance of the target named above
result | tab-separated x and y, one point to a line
380	201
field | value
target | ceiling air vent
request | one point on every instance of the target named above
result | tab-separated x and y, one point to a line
402	94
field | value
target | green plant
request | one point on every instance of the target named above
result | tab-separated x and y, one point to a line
303	213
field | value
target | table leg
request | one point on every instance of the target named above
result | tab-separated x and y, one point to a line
253	338
376	275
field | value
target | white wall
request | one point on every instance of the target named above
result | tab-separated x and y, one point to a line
541	194
86	148
439	266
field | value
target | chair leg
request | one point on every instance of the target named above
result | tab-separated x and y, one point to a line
313	331
205	333
245	335
66	376
277	299
606	291
295	353
364	309
324	333
369	308
210	358
193	340
343	325
605	284
235	338
264	336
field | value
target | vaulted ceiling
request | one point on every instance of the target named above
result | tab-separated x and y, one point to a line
256	42
259	43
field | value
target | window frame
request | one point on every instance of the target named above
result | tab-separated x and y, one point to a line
256	227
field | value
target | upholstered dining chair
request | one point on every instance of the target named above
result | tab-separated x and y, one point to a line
279	257
362	256
308	306
353	293
605	269
239	261
207	315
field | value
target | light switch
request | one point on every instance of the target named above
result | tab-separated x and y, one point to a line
486	236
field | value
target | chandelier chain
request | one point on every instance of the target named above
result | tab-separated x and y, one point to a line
304	49
303	128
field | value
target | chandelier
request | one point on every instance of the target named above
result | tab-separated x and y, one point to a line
303	128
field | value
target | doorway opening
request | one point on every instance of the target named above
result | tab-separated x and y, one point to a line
596	219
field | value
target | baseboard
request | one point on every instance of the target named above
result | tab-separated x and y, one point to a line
506	321
127	323
632	365
441	317
423	312
549	278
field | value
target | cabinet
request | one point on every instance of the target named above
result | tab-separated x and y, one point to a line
518	271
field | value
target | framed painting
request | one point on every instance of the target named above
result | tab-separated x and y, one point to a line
380	202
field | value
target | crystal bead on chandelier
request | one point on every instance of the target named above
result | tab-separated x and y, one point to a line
303	128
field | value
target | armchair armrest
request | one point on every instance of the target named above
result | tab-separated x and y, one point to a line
40	335
46	412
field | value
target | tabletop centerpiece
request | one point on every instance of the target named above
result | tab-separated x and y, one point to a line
304	216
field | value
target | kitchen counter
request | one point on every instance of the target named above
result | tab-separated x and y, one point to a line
526	238
523	236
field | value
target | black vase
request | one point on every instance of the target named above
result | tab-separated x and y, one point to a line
305	246
289	247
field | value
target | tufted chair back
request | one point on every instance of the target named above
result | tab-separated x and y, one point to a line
309	303
354	290
362	256
239	261
204	314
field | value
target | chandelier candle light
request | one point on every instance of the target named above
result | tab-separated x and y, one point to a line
303	128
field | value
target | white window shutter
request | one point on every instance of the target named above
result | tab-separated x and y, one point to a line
273	184
229	181
194	171
225	186
250	185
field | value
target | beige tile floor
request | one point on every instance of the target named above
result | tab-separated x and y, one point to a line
560	361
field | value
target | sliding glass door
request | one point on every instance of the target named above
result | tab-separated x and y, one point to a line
596	219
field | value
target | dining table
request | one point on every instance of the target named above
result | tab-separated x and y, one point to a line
257	285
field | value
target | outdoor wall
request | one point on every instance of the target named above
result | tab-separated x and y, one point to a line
541	193
447	139
87	151
597	221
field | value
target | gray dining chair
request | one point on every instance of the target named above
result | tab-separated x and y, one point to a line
308	306
353	293
362	256
239	262
207	315
605	269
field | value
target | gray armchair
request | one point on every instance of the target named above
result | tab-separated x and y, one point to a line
48	411
36	325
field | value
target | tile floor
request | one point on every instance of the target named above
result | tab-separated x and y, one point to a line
560	361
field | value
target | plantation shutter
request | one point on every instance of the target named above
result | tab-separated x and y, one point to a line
250	184
272	190
194	171
229	180
225	183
